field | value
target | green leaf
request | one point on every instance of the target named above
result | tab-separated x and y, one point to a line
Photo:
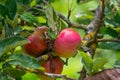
29	18
61	25
78	1
30	76
10	43
109	45
3	11
87	62
45	77
24	60
25	2
50	16
8	29
117	64
15	73
12	7
41	2
117	18
83	1
4	77
108	30
99	63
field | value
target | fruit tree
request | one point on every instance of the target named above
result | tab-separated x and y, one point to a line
59	39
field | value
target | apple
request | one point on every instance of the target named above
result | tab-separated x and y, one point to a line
67	43
53	65
37	43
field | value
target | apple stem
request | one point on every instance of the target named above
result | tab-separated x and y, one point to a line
40	30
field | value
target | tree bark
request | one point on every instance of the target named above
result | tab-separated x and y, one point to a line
108	74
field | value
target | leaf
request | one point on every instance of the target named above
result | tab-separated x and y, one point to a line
15	73
83	1
99	63
78	1
87	62
45	77
117	17
24	60
30	76
108	30
117	64
29	18
12	7
50	16
4	11
61	25
109	45
8	29
4	77
25	2
10	43
41	2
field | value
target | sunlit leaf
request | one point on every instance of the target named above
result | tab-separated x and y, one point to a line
98	64
87	61
83	1
44	77
30	76
62	25
50	16
10	43
29	18
41	19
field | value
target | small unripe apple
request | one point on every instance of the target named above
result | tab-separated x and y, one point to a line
67	43
54	65
37	43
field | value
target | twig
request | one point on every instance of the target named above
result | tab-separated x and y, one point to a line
70	23
80	26
69	10
51	75
83	74
58	76
44	1
95	25
93	29
69	13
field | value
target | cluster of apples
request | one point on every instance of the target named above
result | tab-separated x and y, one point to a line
65	45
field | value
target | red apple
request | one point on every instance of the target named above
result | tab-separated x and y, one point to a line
37	43
67	43
54	65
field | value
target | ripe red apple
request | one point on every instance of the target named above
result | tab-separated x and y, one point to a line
67	43
37	43
54	65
